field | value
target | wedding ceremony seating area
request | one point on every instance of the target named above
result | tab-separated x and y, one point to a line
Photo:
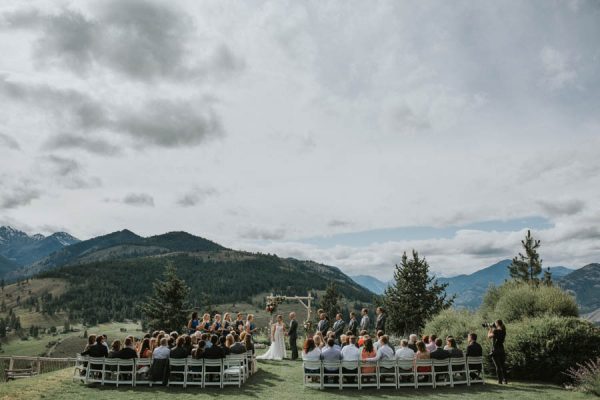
233	370
396	374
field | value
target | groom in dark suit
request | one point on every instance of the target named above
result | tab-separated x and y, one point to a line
293	335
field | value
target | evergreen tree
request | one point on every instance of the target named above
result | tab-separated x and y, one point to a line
330	301
527	267
167	308
2	328
414	297
547	280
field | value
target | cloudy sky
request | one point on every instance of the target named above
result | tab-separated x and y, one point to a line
341	131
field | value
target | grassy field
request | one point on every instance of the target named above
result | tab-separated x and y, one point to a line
275	380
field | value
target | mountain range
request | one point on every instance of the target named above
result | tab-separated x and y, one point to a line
470	288
22	249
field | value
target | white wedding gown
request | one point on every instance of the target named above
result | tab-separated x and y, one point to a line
277	349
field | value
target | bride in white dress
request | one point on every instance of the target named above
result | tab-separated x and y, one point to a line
277	349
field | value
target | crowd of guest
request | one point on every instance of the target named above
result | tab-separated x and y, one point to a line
371	349
204	339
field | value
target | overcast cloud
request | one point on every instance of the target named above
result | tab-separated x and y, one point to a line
285	126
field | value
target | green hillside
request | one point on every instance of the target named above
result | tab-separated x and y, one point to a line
584	283
101	291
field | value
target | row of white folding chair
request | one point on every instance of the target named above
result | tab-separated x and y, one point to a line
233	370
393	373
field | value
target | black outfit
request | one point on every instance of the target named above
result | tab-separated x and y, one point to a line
293	335
97	350
455	353
353	326
338	329
214	352
237	348
474	350
178	352
127	353
380	323
440	354
498	354
413	347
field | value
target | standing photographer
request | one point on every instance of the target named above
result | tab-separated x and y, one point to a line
497	333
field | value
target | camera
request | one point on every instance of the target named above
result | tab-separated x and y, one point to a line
488	325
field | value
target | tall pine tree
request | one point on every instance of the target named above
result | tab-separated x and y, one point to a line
330	301
414	297
167	309
528	267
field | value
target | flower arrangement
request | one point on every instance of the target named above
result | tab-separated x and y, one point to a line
273	302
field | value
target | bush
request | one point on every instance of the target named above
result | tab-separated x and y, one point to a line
516	301
455	323
544	347
586	376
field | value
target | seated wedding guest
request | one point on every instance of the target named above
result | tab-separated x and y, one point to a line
193	323
310	352
205	325
250	325
128	351
145	351
198	352
368	351
162	351
425	339
412	342
214	351
97	350
378	336
235	346
364	335
153	345
170	341
447	346
179	351
247	340
474	349
343	340
222	340
422	354
350	352
431	346
331	352
404	352
319	342
90	343
384	352
187	344
206	338
115	348
453	350
105	341
439	353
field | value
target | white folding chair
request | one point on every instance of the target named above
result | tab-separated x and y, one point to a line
387	376
142	371
313	374
177	371
109	374
423	373
125	372
251	362
213	369
331	374
233	370
350	374
195	372
406	373
79	372
441	372
368	374
95	370
475	370
458	371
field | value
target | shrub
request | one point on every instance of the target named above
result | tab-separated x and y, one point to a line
544	347
456	323
516	301
586	376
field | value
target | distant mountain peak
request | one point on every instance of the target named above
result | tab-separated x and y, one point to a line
38	236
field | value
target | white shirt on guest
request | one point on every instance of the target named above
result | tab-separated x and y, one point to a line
404	353
430	346
161	352
384	352
313	355
350	353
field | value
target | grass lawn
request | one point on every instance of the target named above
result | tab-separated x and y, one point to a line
275	380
